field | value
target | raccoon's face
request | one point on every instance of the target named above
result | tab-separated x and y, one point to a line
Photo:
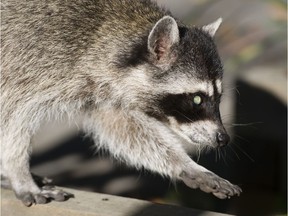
182	83
191	89
188	83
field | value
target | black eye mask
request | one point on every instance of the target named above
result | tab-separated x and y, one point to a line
187	108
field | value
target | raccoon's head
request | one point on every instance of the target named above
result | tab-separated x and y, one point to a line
182	81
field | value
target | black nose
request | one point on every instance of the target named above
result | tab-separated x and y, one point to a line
222	139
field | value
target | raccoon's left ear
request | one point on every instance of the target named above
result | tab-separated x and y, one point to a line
161	40
212	27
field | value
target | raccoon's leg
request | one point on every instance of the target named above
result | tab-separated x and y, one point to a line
142	141
15	165
138	140
40	181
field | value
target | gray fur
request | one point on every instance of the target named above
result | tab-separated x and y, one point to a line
92	65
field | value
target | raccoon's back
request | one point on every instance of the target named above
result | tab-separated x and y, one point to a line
42	36
57	51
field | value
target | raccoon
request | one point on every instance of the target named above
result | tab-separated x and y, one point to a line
145	86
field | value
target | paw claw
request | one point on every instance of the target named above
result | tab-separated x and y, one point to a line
220	195
27	199
59	198
55	194
39	199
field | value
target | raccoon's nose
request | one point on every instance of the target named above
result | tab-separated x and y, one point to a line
222	139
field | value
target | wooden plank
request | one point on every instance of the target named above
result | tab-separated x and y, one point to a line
94	204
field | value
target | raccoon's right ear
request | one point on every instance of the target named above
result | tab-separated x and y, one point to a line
161	41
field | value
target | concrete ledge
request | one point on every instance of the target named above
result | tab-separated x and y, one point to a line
94	204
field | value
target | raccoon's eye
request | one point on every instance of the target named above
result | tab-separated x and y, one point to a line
197	100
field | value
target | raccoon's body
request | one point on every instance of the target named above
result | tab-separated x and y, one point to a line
141	83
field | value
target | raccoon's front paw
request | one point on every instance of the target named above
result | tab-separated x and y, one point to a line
210	183
47	194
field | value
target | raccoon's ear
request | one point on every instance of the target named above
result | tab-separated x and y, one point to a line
163	36
212	27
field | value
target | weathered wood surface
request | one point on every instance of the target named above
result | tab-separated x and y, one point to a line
94	204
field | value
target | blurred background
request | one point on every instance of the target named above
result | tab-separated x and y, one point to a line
252	42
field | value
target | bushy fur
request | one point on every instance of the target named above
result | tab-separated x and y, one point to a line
108	66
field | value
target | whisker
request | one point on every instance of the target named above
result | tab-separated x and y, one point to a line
251	125
225	153
247	124
219	154
228	118
216	155
199	154
171	182
183	115
242	138
229	115
245	153
234	152
230	89
223	157
228	127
